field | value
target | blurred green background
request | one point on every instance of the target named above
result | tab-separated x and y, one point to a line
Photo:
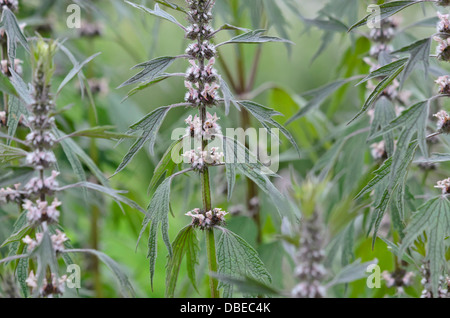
128	37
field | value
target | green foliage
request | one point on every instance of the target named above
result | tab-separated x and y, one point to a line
11	27
237	259
185	244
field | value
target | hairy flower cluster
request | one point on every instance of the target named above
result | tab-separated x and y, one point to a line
381	37
41	139
199	158
90	30
444	284
443	37
210	219
208	74
378	150
443	25
444	185
309	262
443	3
200	11
12	5
8	194
195	31
442	49
6	65
204	50
443	123
203	131
41	211
398	279
58	241
33	195
34	188
3	119
49	289
40	159
444	84
201	77
197	95
386	32
37	186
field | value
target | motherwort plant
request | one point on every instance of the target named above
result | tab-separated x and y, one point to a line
204	147
37	240
407	137
11	33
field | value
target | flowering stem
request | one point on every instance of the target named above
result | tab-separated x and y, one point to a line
212	262
210	241
206	190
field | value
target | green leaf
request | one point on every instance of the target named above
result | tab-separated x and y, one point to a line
157	12
126	288
248	285
378	214
351	273
386	10
380	174
46	258
326	25
186	243
396	213
256	36
277	20
14	34
17	235
23	91
433	217
227	95
237	259
166	164
229	150
244	161
319	96
151	70
116	195
150	125
171	5
71	156
6	86
413	120
16	175
22	275
387	188
419	53
99	132
74	71
385	70
16	109
378	91
227	26
79	152
434	158
264	116
146	84
158	215
396	250
383	114
9	153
